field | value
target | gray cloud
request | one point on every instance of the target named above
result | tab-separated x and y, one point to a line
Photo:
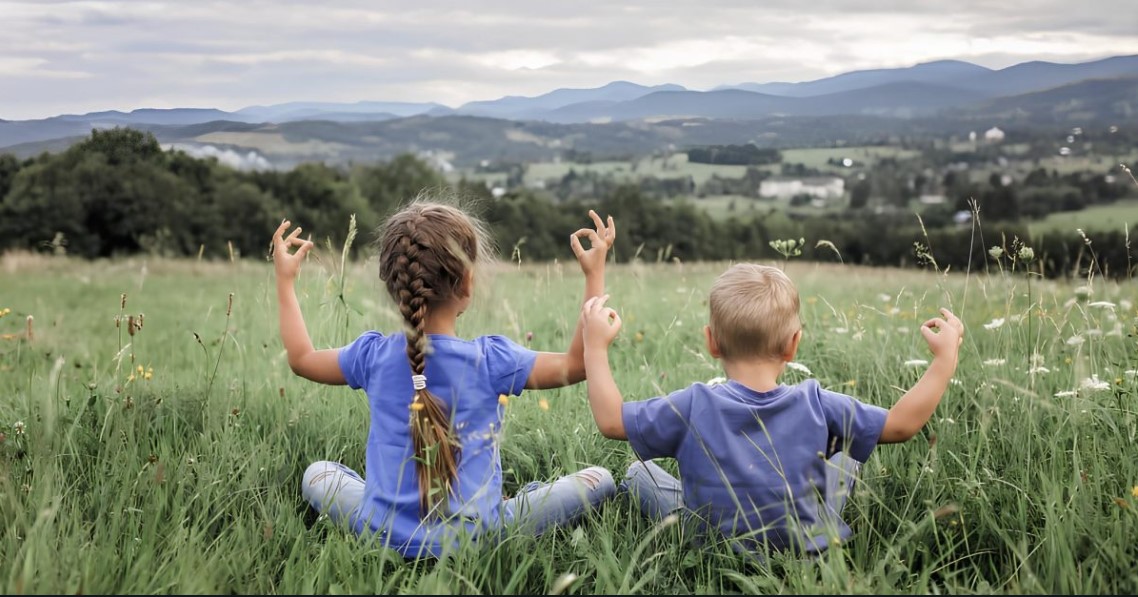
62	56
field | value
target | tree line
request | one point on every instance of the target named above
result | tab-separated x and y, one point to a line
118	192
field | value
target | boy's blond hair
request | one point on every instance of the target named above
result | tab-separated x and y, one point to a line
754	312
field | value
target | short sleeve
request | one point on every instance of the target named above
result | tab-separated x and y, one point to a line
356	359
855	427
655	427
509	364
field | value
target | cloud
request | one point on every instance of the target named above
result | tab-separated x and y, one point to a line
248	160
77	56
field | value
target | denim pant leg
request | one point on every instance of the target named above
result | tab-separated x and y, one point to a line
658	493
333	489
540	506
841	475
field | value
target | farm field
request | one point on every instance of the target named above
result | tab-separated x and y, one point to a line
1122	215
169	461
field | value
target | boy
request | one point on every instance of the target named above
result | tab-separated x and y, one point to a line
765	463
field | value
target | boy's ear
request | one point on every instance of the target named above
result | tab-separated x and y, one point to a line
792	346
712	345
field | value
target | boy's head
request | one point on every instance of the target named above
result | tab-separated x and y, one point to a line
754	313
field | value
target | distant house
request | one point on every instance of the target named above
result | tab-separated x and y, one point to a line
787	186
994	135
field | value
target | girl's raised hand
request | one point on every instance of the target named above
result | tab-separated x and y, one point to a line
286	262
592	260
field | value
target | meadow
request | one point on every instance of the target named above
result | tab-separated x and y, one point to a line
152	437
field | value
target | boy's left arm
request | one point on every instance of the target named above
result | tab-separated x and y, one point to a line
558	369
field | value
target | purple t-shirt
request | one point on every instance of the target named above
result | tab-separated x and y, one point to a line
754	463
466	375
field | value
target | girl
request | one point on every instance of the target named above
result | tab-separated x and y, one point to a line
433	468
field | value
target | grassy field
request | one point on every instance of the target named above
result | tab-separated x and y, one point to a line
678	166
169	461
1115	216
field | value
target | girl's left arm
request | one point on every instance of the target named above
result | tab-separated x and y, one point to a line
321	366
558	369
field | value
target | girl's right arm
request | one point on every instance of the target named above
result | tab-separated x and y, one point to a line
558	369
321	366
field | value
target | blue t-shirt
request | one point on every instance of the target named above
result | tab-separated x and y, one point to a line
753	463
466	375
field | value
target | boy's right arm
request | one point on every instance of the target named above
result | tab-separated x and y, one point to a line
321	366
600	325
913	410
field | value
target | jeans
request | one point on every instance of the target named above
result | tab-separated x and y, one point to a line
660	494
336	490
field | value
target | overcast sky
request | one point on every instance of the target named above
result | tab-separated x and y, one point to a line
60	56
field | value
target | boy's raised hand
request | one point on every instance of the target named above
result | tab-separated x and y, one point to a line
600	240
601	323
949	334
286	262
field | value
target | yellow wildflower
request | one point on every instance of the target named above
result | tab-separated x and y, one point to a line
1134	491
503	399
851	383
543	404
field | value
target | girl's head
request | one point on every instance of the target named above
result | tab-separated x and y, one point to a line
429	252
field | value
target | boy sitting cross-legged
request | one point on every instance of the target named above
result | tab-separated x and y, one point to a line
766	463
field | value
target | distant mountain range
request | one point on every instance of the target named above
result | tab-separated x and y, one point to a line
1101	90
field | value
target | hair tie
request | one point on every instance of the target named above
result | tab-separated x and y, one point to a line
419	381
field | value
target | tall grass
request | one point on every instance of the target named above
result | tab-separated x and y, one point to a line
187	480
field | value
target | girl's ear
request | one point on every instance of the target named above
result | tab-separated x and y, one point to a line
466	287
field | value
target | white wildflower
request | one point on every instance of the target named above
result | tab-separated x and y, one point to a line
1125	304
916	363
994	362
18	427
885	298
1102	304
1075	340
954	381
1015	318
995	323
716	381
996	252
1094	332
1094	383
1038	369
798	367
1131	373
894	311
1026	254
841	330
903	330
1065	394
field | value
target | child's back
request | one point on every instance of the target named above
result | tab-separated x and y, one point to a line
468	376
433	467
757	465
764	462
